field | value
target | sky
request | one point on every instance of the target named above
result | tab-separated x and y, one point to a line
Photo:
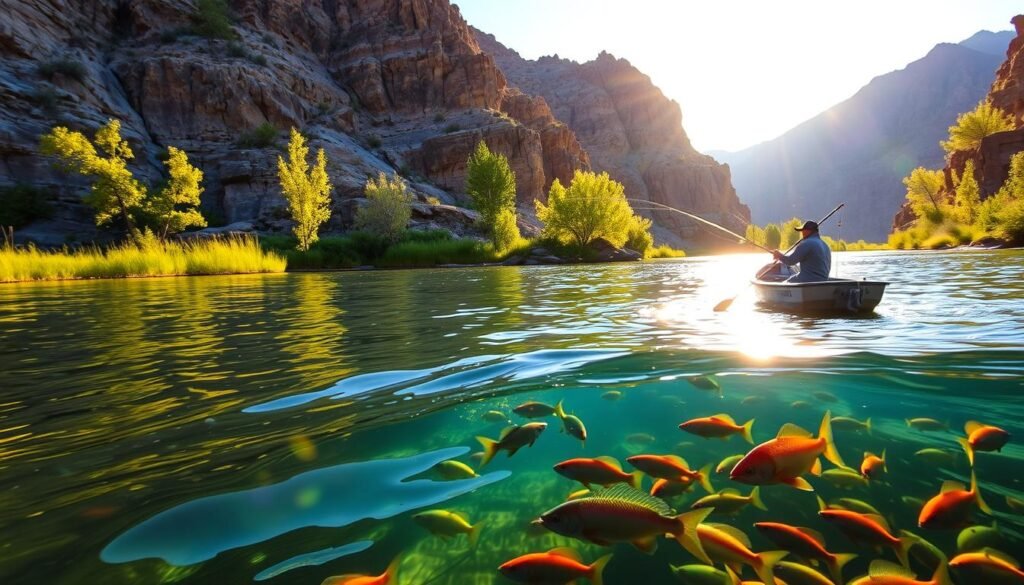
742	71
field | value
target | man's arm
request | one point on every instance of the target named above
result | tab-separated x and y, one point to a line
795	257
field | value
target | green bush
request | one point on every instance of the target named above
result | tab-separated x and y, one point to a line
639	237
664	251
22	204
262	136
438	117
594	206
426	254
505	233
450	128
65	66
236	50
258	59
373	141
213	20
972	127
47	99
387	209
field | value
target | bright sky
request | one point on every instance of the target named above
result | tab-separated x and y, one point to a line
742	71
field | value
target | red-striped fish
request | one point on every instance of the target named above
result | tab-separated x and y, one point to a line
806	543
673	468
388	576
559	565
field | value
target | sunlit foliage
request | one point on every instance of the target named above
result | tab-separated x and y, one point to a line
971	127
639	237
387	209
594	206
505	233
173	208
924	188
491	185
308	191
968	195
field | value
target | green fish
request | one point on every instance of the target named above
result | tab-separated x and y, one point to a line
845	423
448	525
927	424
706	383
511	439
975	538
571	424
728	463
700	575
452	470
730	501
612	395
855	505
797	574
938	457
534	409
495	416
844	477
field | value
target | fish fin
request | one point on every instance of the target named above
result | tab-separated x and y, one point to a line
734	579
636	479
755	499
836	564
952	486
867	426
878	520
627	493
733	532
474	534
907	540
730	491
678	460
799	483
725	417
736	568
885	465
566	552
880	569
505	431
512	452
821	503
648	546
816	467
490	450
967	449
687	536
767	562
705	479
976	490
996	554
812	534
941	575
792	430
825	432
748	430
560	410
610	461
972	425
597	569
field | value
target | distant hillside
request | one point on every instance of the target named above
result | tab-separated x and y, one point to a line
859	150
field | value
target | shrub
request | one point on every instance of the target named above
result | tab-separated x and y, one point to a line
387	209
213	20
772	237
971	127
47	99
924	192
425	254
65	66
450	128
258	59
308	191
664	251
373	141
639	237
22	204
505	233
438	117
968	195
431	200
756	235
491	184
262	136
236	50
594	206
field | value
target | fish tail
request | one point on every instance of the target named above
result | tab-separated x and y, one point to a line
686	532
825	432
867	425
636	479
941	576
734	579
765	567
755	499
967	449
821	503
597	568
559	410
391	573
474	534
705	479
907	541
836	564
977	494
490	449
885	465
748	428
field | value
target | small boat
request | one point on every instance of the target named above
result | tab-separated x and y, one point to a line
835	295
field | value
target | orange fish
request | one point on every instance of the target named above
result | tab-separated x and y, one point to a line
725	544
987	566
603	471
806	543
789	455
511	439
559	565
869	529
624	514
982	437
952	507
873	466
672	467
720	426
388	576
886	573
666	488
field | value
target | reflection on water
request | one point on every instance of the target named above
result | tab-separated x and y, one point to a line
179	422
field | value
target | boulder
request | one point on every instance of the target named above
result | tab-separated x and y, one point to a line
605	251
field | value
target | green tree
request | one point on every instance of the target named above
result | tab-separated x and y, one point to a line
968	195
1006	207
388	207
490	183
772	237
788	233
173	208
971	127
923	192
308	191
594	206
115	192
213	19
755	234
639	237
505	234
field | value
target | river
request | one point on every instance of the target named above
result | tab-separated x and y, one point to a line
282	428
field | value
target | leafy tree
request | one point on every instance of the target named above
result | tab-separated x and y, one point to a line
755	234
639	237
772	237
491	183
789	235
1003	213
923	192
594	206
173	208
213	20
308	191
971	127
505	234
968	195
387	209
115	193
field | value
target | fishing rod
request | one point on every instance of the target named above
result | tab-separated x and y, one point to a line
663	207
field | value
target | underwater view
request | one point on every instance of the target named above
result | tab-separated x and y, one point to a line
298	428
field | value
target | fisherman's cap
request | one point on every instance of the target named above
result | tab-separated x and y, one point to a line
808	225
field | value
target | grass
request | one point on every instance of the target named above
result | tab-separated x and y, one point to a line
664	251
65	66
262	136
224	256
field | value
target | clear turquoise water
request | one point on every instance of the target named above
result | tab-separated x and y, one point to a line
224	429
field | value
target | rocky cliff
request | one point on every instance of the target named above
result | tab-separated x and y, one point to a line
992	157
631	130
382	85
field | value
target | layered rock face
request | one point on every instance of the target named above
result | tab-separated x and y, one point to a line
634	132
992	158
381	85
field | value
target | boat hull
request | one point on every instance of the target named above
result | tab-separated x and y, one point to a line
829	296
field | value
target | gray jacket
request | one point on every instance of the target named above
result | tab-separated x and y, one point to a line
814	257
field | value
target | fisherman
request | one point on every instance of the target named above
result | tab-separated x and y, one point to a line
811	253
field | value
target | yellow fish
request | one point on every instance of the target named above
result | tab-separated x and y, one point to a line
452	470
511	439
448	525
885	573
730	501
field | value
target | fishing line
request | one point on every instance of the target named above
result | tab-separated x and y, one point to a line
662	206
